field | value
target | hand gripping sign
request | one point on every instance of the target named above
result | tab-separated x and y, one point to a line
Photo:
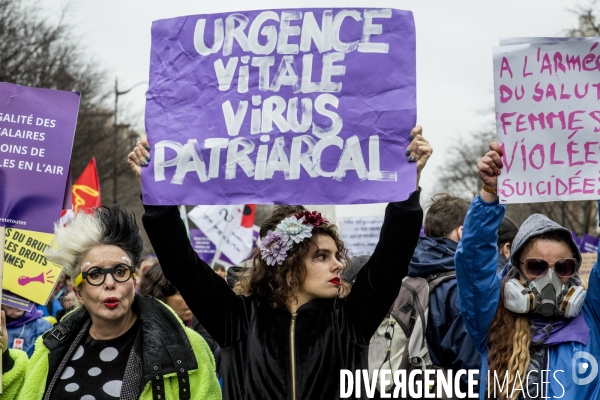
314	105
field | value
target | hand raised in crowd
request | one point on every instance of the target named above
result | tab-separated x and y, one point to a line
489	168
139	156
419	150
3	334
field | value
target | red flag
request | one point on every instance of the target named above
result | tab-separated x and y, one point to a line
86	189
248	215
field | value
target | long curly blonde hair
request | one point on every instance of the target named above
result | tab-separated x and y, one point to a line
510	338
510	333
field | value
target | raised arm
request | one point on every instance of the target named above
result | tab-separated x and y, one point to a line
219	310
378	282
477	253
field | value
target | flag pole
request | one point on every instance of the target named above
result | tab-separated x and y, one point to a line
2	230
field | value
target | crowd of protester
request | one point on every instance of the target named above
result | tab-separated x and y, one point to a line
168	326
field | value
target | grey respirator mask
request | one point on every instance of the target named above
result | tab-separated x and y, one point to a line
545	295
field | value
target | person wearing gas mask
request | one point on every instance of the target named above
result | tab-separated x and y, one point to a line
531	322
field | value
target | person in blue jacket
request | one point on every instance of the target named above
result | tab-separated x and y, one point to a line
535	326
450	347
24	327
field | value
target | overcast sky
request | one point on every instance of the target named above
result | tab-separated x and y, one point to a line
454	49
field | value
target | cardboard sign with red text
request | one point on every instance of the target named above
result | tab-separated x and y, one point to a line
548	119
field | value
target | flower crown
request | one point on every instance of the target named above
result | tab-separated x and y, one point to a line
275	245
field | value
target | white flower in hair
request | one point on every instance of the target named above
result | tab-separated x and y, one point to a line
295	229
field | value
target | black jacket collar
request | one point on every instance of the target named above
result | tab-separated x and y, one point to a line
163	343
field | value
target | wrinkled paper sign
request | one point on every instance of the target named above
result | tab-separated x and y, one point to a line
271	107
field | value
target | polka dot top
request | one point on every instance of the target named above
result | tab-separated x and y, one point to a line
95	372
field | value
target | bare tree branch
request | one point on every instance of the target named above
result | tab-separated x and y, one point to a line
34	52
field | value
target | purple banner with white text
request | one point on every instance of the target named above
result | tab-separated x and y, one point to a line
37	127
271	107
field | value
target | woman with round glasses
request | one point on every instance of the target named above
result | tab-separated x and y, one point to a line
116	344
534	325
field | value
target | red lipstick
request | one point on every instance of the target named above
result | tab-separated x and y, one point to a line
111	302
335	281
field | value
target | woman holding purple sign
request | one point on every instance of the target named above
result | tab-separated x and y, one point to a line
286	333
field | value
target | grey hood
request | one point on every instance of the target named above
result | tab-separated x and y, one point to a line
536	225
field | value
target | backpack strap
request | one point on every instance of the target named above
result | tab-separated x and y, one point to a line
418	360
421	289
417	301
407	305
413	300
435	280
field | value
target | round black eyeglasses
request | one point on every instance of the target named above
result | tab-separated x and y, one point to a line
96	276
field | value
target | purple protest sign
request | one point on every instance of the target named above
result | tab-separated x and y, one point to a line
205	248
202	245
575	238
13	300
36	136
305	106
588	244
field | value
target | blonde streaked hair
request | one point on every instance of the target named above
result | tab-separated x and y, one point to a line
104	226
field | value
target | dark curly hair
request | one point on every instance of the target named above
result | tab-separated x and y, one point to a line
156	285
280	283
